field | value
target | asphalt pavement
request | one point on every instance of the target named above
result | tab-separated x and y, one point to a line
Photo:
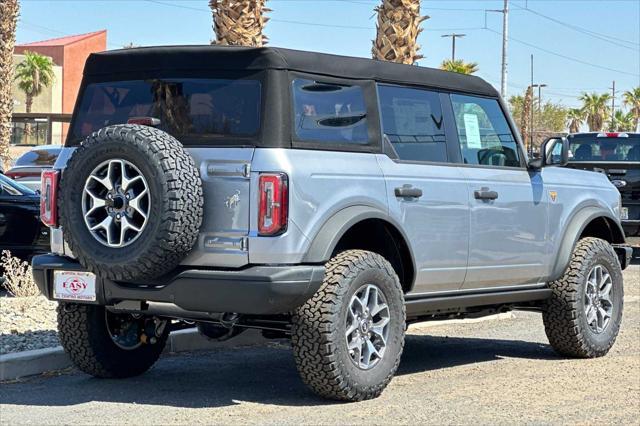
483	373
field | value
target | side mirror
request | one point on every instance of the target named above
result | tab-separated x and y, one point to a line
554	152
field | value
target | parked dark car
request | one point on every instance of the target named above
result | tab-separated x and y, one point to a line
29	166
616	154
21	231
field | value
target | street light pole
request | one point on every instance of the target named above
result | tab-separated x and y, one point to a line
539	86
453	43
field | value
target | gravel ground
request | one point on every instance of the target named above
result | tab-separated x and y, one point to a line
27	323
492	372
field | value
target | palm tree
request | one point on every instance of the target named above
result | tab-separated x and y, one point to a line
631	98
596	109
459	66
8	18
575	118
34	73
239	22
622	122
397	31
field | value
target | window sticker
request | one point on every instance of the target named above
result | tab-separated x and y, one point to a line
472	130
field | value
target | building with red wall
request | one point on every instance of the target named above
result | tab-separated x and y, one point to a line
70	53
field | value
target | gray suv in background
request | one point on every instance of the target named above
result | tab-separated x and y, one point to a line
328	199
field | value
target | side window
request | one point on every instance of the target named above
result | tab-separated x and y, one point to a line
329	113
483	131
412	123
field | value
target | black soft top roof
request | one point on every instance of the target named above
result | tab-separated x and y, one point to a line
192	58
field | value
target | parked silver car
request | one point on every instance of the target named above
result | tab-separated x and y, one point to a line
329	199
29	166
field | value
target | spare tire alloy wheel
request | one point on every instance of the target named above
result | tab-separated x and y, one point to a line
130	203
116	203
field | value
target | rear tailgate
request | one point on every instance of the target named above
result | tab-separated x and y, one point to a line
225	174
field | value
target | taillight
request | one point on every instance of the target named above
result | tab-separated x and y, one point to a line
48	195
273	210
145	121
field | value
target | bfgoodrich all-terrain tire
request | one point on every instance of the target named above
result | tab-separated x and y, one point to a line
582	318
347	339
130	202
85	336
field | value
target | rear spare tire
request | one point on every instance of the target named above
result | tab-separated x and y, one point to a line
130	202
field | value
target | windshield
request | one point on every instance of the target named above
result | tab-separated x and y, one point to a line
193	110
592	148
39	157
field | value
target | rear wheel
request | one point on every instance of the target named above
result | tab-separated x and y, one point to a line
348	337
106	344
582	318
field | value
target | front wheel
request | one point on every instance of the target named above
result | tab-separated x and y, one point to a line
582	318
110	345
348	338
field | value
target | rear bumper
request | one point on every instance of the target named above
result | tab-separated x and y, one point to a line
259	290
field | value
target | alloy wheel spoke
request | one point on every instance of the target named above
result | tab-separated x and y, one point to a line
591	314
106	226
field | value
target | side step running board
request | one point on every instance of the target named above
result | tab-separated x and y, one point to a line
433	305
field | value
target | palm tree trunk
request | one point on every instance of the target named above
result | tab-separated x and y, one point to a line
397	31
28	104
239	22
8	17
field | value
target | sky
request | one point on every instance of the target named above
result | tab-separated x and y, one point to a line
578	45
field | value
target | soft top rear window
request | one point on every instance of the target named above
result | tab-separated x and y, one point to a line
195	111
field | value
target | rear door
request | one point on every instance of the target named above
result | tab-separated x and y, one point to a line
426	193
508	231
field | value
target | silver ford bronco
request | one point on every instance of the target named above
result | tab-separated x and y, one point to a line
327	199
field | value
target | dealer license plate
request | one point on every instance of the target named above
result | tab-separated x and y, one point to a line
74	285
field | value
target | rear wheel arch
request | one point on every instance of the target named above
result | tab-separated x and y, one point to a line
365	228
587	222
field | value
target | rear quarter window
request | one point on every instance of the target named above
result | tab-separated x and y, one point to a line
328	113
195	111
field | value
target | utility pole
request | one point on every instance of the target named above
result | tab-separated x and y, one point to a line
505	40
505	43
453	43
613	105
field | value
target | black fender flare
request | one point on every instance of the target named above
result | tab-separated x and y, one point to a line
572	233
327	238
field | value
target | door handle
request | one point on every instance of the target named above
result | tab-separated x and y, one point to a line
408	191
485	194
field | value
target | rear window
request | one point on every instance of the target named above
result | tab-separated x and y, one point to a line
38	157
593	148
193	110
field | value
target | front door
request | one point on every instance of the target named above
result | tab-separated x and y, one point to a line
426	193
507	244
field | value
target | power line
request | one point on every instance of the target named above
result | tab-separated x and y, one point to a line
600	36
569	58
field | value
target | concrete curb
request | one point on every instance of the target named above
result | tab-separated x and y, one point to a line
29	363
